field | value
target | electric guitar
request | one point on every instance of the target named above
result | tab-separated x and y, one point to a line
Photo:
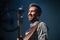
31	32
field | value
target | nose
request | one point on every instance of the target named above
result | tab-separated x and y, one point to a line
29	12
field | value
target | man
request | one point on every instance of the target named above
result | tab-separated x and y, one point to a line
34	14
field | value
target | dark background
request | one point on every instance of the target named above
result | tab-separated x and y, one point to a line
50	15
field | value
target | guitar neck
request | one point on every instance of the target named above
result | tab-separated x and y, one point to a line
19	27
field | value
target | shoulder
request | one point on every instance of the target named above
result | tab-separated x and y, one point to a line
42	25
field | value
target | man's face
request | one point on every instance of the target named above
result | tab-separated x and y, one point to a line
31	13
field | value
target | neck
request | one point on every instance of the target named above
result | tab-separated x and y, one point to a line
34	20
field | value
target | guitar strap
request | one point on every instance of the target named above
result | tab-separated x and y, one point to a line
31	32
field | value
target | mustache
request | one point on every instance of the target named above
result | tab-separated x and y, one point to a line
30	15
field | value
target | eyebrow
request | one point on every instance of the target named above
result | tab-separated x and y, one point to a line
33	10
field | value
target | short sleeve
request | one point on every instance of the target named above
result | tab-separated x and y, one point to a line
44	27
42	31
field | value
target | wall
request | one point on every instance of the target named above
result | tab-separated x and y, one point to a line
50	15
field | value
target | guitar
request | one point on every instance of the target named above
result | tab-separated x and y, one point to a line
31	32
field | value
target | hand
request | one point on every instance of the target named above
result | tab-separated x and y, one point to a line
17	38
20	38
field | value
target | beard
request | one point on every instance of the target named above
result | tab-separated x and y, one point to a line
34	19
